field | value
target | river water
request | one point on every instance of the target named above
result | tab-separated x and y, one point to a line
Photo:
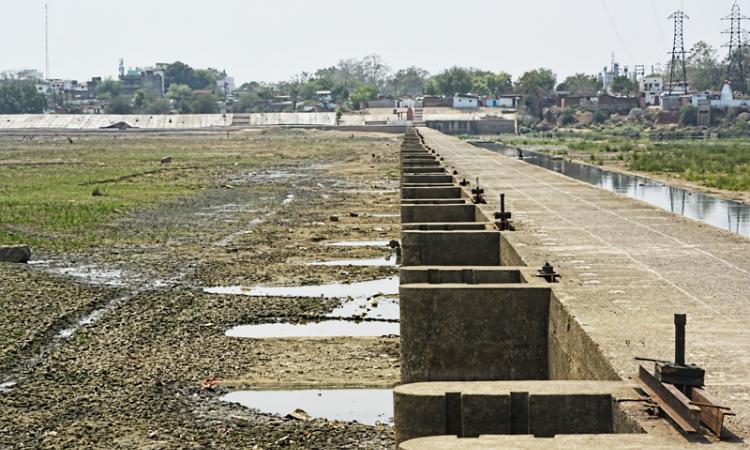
725	214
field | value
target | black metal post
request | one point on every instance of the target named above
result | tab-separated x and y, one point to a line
679	338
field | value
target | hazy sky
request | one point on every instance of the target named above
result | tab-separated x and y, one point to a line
272	40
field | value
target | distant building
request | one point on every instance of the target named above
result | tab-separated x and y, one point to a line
148	79
465	101
510	101
724	100
22	74
652	87
225	85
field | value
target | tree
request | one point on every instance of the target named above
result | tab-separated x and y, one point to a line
178	73
364	93
580	84
108	89
204	79
625	86
455	80
158	106
140	100
21	97
180	94
704	71
204	104
119	105
409	81
493	84
535	86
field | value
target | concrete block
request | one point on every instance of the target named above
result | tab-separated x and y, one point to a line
431	193
421	163
438	213
433	201
460	332
455	226
539	408
463	275
409	185
450	248
427	178
424	170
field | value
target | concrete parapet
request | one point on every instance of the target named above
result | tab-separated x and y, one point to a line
427	170
466	275
427	178
420	163
456	226
538	408
433	201
450	248
440	213
460	332
431	192
559	442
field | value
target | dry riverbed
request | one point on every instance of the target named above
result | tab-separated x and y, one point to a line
147	368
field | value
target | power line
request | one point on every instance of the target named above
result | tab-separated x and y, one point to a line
678	75
658	24
736	44
617	32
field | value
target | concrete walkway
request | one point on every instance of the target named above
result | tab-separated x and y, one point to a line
627	267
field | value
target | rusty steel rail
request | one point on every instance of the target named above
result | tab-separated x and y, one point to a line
671	400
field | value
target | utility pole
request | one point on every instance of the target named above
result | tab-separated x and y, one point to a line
736	66
678	67
46	42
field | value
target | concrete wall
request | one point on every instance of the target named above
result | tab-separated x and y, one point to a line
438	213
542	409
456	332
474	127
450	248
431	192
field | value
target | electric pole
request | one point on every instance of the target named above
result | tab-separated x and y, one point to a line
678	67
736	66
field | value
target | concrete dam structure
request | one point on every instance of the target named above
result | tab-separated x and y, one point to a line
500	349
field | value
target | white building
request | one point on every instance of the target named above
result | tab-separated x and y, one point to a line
465	101
725	100
652	87
226	85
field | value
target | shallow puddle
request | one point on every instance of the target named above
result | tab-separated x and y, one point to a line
365	406
326	328
360	244
378	308
384	261
7	387
385	286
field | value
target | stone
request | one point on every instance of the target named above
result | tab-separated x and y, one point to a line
15	254
166	160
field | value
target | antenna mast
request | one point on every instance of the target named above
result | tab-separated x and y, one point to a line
678	75
736	65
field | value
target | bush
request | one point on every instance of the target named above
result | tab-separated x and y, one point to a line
688	116
601	116
566	118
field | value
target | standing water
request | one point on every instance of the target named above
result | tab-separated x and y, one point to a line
725	214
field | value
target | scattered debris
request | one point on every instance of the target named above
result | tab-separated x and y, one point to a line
15	254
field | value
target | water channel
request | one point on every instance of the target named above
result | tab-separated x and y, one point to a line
725	214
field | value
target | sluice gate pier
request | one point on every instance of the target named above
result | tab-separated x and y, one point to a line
527	297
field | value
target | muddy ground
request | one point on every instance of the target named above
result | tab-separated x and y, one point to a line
135	376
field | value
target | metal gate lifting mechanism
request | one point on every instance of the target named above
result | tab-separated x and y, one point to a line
502	217
478	194
548	273
464	182
677	388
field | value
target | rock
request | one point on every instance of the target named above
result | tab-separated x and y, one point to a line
15	254
166	160
353	214
299	414
745	116
334	218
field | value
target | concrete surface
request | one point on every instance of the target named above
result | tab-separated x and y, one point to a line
627	267
439	213
450	192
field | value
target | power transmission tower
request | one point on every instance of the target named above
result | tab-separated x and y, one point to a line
46	42
736	66
678	67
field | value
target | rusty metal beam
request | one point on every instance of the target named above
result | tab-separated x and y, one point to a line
673	402
712	414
